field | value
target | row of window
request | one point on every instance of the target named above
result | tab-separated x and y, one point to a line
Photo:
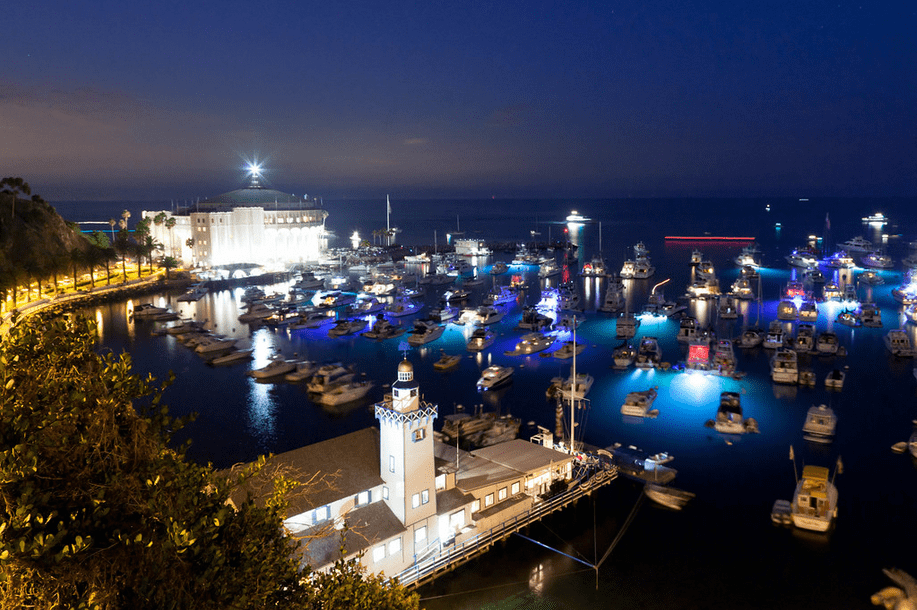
489	498
421	498
394	547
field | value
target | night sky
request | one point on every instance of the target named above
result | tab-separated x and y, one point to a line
153	101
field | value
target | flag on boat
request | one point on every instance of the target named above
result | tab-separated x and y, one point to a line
792	457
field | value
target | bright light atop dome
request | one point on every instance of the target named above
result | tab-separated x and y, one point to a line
254	169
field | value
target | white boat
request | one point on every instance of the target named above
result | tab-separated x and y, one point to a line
347	327
308	281
148	310
696	257
877	260
548	269
328	374
257	311
367	305
747	256
499	296
835	379
670	497
303	371
344	392
627	326
726	309
871	315
487	315
494	376
443	314
729	418
575	216
805	339
724	358
425	331
649	354
799	258
499	268
185	326
457	295
857	244
814	505
808	311
640	404
532	343
840	260
786	310
849	318
635	464
776	336
595	268
232	357
820	424
383	329
623	356
751	337
827	343
878	219
687	329
403	307
564	387
614	295
275	368
312	320
213	343
195	293
447	361
480	339
784	367
567	350
899	343
872	278
532	319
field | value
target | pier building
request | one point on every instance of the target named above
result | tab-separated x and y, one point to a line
253	225
414	506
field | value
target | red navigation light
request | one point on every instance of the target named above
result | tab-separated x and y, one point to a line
699	353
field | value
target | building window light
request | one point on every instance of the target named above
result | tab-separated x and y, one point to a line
488	500
419	434
415	500
501	495
394	546
362	498
420	534
379	553
391	463
385	492
515	488
475	506
425	496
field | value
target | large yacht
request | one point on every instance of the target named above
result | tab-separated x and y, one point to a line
614	295
776	336
649	354
801	258
877	260
729	418
857	244
820	424
899	343
425	331
494	376
480	339
627	326
533	343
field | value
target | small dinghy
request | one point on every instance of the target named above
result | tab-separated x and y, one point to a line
667	496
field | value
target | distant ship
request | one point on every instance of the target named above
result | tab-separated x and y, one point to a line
576	217
878	219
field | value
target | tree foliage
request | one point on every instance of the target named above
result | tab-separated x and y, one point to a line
97	510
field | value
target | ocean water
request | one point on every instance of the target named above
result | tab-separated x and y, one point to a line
722	551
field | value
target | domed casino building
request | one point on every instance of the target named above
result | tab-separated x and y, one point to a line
250	226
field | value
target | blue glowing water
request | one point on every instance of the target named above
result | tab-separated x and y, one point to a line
722	551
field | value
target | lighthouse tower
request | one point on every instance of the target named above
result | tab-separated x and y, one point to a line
406	450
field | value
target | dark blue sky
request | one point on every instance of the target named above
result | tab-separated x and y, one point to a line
112	99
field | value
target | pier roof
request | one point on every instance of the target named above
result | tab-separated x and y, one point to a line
505	461
367	525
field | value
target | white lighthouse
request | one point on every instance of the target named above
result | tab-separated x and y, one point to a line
406	450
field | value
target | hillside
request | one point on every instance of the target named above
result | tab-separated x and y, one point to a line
36	235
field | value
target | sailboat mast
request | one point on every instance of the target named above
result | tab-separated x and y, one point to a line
388	227
573	394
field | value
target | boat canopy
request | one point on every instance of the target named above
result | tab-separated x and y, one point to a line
815	473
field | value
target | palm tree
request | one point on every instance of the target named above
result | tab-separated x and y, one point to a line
123	222
122	247
149	246
169	263
14	186
76	261
112	222
169	224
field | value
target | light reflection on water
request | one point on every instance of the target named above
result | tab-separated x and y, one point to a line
261	411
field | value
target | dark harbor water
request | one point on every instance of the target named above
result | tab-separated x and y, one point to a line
722	551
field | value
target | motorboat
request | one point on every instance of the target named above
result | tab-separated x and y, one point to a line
849	317
312	320
532	343
499	296
308	281
499	268
751	337
565	389
705	270
871	277
687	329
820	424
696	257
910	313
776	335
635	464
724	358
784	367
233	357
670	497
850	293
344	392
275	368
741	289
567	350
567	298
148	310
481	429
624	355
871	315
332	299
801	258
726	310
367	305
403	307
614	295
910	262
877	260
458	295
495	376
303	372
637	269
425	331
840	260
532	319
383	329
704	288
831	291
835	379
906	294
857	244
747	256
698	358
443	314
640	404
626	326
185	326
649	354
899	343
786	310
347	327
729	418
813	275
212	344
595	267
814	505
640	250
805	339
568	322
808	311
794	289
827	343
380	288
878	219
487	315
327	375
548	268
447	361
256	312
195	292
